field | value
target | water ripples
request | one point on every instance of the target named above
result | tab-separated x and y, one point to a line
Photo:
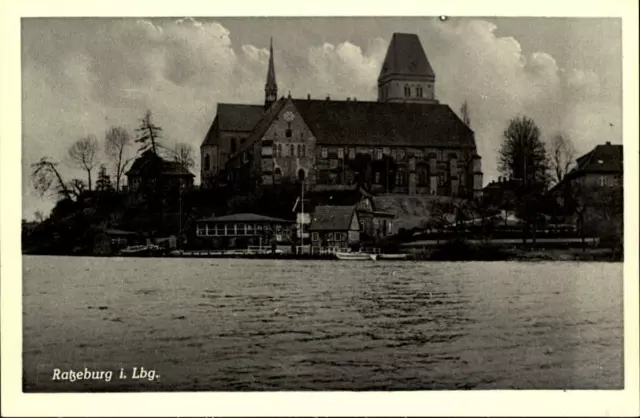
270	325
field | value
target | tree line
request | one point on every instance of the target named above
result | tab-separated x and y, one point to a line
115	152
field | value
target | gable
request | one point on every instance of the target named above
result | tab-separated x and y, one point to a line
355	222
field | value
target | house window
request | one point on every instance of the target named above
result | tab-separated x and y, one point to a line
324	152
377	179
206	162
234	145
277	173
407	91
441	179
303	149
419	91
249	229
201	230
379	154
603	180
299	147
394	153
240	229
330	236
352	153
401	154
315	237
279	150
341	153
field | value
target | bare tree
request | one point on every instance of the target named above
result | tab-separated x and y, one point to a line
46	177
83	154
465	114
148	133
183	154
561	155
117	141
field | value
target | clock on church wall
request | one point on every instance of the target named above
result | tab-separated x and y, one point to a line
289	116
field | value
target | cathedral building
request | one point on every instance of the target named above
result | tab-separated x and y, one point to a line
406	142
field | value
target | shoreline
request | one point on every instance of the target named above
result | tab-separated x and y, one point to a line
497	254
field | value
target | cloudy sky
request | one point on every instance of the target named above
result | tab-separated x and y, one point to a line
80	76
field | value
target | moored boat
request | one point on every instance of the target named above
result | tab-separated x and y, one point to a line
393	256
355	256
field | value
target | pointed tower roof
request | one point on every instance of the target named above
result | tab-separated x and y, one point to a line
271	72
405	56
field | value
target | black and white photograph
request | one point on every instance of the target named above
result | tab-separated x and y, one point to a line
419	203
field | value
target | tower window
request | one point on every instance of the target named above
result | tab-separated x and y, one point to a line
288	133
419	91
279	150
291	150
407	91
206	162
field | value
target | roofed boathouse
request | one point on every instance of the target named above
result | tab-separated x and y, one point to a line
334	227
243	229
405	142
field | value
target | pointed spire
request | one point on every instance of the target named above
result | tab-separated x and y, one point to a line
270	88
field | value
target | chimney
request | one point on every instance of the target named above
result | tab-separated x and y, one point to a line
308	96
348	99
328	98
608	142
289	95
355	99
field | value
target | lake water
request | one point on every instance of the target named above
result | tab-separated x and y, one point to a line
265	325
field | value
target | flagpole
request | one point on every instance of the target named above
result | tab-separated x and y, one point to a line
302	216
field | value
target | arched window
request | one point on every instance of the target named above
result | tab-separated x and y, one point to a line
291	150
407	90
299	150
419	91
301	174
206	162
304	150
279	150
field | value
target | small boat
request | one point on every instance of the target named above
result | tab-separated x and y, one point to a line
393	256
354	256
141	250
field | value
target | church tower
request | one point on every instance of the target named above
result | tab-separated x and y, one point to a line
270	88
406	75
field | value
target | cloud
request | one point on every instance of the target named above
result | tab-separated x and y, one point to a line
81	76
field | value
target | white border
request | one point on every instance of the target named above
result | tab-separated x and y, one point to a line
449	403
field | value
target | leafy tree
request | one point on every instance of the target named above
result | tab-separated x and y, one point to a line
103	184
523	157
522	154
117	141
148	134
561	154
83	154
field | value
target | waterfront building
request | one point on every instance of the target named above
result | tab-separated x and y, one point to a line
600	167
336	227
406	142
243	229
